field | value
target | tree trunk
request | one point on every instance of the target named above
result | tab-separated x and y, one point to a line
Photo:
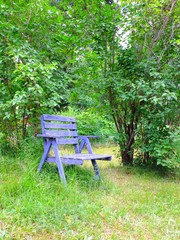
127	157
127	151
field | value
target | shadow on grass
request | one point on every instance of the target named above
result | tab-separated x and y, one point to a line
148	171
76	176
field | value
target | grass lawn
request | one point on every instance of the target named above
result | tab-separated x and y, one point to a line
127	204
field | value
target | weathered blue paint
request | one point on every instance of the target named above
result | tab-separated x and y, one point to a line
57	130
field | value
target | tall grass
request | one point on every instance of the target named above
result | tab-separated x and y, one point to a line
127	204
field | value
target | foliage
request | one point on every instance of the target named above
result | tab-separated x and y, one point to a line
152	93
119	58
27	90
131	71
32	82
92	123
144	111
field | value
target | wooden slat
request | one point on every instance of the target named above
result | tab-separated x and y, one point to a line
48	117
83	157
59	125
66	161
87	136
61	133
67	141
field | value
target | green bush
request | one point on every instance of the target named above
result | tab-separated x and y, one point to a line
92	123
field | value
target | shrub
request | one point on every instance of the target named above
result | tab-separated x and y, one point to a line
91	123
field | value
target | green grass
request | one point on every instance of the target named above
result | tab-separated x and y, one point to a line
127	204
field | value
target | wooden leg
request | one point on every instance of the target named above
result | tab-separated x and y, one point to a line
59	163
94	163
45	154
96	169
81	146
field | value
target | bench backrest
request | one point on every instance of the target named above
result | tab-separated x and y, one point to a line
63	127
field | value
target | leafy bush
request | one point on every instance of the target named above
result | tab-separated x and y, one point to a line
30	82
91	123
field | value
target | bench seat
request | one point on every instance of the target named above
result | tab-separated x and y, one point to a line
60	130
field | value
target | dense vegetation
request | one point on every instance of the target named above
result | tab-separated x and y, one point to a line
109	61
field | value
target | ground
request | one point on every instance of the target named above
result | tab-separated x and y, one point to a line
129	203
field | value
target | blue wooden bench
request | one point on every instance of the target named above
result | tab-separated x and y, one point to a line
59	130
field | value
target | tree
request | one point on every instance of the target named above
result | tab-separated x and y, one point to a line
120	58
32	78
133	76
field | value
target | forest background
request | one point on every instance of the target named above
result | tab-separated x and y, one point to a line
114	65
